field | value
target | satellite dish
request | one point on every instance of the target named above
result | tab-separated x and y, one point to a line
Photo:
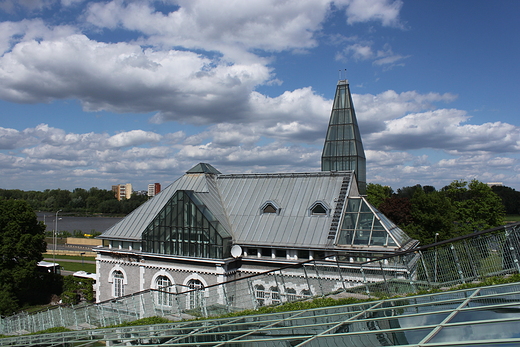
236	251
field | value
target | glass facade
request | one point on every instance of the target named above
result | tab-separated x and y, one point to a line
186	227
366	226
343	149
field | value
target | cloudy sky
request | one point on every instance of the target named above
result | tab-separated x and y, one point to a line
95	93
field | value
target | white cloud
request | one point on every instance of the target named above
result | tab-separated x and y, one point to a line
443	129
228	27
386	11
133	138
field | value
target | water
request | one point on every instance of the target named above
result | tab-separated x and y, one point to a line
87	225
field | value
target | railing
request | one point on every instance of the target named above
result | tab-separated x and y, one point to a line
444	264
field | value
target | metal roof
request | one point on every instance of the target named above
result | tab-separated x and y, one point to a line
294	194
237	201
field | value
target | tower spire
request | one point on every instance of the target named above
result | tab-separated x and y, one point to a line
343	149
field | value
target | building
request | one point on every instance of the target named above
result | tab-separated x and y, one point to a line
154	189
208	227
122	191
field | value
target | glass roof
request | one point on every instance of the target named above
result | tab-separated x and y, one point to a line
343	149
486	316
364	225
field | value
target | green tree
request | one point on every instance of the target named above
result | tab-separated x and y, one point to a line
431	214
21	247
377	194
398	210
510	198
477	207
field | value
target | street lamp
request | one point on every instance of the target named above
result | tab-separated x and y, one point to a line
436	234
55	240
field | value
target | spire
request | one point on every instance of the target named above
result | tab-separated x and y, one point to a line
343	149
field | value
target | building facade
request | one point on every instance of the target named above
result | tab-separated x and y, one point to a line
208	227
122	191
154	189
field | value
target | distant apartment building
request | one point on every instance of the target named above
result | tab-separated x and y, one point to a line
154	189
122	191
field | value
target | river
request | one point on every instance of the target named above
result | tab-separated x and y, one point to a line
87	225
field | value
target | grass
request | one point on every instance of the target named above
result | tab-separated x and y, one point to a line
71	266
512	218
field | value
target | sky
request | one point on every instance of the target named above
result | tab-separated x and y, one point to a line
98	93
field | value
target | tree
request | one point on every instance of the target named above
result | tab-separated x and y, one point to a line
398	210
21	247
510	198
377	194
477	207
431	214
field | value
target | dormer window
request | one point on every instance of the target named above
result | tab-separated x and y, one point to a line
319	209
270	207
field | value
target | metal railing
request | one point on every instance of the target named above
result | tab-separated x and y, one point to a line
444	264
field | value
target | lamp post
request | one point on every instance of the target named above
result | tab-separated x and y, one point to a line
55	240
436	234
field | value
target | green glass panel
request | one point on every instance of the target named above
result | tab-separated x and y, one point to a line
378	235
335	117
365	208
353	205
362	237
365	221
182	229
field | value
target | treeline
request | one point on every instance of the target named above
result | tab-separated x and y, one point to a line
427	214
80	200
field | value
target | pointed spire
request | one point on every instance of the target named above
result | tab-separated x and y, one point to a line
343	149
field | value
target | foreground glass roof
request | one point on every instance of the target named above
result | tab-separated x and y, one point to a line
486	316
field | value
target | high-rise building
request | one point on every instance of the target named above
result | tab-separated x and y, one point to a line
343	149
154	189
122	191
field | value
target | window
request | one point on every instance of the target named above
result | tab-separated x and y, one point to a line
186	227
275	295
303	254
291	294
306	293
260	295
319	209
266	252
280	253
195	296
164	297
118	284
252	252
269	207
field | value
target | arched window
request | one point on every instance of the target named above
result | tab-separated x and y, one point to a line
118	284
306	293
275	295
195	296
291	294
164	297
260	294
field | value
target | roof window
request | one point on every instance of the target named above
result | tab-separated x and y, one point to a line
319	209
270	207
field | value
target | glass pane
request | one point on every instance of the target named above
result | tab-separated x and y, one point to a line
468	332
353	205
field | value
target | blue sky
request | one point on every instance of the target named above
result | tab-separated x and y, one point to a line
96	93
